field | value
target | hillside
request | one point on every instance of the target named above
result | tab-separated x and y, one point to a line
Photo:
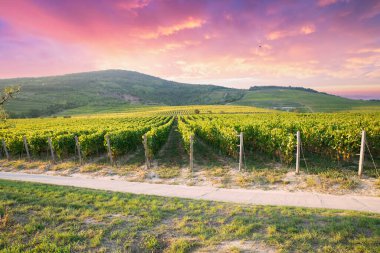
302	100
120	90
111	88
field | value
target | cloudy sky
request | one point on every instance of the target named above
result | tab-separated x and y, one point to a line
328	45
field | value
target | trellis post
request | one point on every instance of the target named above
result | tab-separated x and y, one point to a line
241	150
26	147
145	143
109	148
78	149
51	150
361	159
5	149
298	152
191	152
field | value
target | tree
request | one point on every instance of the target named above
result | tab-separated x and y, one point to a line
7	94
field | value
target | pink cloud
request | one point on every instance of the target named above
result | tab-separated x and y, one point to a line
189	23
324	3
131	5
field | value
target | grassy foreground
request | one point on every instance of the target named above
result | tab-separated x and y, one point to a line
45	218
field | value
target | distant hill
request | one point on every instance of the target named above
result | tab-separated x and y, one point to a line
101	90
49	95
260	88
301	99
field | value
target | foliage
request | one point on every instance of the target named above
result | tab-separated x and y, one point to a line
186	132
332	135
7	94
124	133
157	137
336	136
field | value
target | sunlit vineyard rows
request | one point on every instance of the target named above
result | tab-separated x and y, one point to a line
125	134
334	136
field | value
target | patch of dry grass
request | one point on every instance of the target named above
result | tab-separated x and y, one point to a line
63	166
328	180
377	183
168	172
90	167
260	177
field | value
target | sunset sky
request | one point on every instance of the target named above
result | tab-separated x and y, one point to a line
328	45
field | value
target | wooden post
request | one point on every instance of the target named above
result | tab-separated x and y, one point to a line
78	149
145	142
26	147
5	149
51	150
109	148
298	152
241	150
191	152
361	159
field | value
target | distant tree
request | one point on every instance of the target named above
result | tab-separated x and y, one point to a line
197	111
7	94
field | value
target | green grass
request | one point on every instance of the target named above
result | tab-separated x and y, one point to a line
302	101
45	218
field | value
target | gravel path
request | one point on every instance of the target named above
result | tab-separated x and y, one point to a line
255	197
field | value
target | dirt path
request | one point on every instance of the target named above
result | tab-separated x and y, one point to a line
173	152
244	196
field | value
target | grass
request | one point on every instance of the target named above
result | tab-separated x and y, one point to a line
90	168
261	177
23	164
64	166
45	218
168	172
332	178
377	183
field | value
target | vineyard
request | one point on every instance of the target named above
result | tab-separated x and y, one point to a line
331	136
336	136
124	135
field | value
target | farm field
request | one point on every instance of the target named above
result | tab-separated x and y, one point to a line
68	219
330	144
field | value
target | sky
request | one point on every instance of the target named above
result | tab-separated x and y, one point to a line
328	45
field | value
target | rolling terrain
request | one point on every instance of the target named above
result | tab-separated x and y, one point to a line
120	90
296	100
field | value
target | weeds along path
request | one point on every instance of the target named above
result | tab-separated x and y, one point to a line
244	196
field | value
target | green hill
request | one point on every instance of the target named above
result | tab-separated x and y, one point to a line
113	89
302	100
110	88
